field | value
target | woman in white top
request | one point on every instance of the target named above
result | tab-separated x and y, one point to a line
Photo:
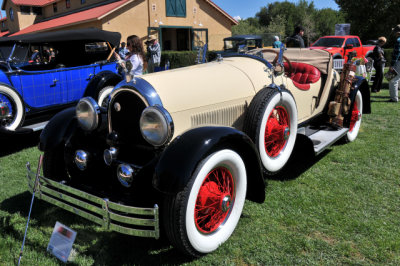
136	55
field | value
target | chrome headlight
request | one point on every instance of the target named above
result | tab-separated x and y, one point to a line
156	125
87	113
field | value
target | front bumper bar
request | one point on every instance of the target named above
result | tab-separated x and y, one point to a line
129	220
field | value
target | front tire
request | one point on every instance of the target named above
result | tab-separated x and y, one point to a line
204	215
17	111
271	122
54	165
355	120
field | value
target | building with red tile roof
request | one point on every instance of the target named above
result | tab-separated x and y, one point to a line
178	24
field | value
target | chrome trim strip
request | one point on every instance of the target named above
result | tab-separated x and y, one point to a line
96	209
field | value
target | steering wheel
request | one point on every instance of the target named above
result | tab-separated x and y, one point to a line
278	68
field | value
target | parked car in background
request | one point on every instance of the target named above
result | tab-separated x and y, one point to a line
43	73
341	46
189	145
241	43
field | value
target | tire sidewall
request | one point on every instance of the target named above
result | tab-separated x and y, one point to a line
351	136
205	243
103	94
20	111
274	164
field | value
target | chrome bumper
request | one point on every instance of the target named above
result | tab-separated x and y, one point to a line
111	215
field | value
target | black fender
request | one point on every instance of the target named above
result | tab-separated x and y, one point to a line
361	84
56	131
179	160
101	80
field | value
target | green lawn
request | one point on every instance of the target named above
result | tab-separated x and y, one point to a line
342	207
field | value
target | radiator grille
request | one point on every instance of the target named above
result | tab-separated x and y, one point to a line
225	116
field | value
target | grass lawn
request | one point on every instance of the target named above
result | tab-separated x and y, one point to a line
342	207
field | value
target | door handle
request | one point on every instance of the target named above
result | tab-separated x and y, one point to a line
90	76
55	81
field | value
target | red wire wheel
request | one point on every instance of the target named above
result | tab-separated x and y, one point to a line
214	200
355	116
277	131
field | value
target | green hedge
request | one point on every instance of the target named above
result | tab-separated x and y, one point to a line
183	58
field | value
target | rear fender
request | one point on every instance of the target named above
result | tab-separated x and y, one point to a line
362	85
180	159
101	80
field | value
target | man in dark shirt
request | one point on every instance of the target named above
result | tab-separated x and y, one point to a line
296	40
379	64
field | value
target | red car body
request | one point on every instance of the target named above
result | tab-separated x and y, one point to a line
341	46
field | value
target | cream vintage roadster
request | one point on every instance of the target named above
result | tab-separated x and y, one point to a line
179	151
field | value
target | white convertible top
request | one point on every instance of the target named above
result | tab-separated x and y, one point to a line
319	58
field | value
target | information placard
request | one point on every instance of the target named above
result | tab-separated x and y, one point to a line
61	241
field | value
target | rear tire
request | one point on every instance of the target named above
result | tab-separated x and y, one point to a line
355	120
204	215
103	96
271	122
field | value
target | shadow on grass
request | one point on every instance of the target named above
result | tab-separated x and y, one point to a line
302	158
105	248
14	143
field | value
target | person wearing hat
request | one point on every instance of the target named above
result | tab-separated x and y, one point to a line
379	63
153	53
277	43
395	66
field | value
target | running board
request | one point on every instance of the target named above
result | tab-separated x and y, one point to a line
36	127
325	138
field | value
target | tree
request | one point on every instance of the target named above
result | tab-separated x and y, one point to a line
370	18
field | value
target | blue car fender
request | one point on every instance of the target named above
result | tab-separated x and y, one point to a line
101	80
179	160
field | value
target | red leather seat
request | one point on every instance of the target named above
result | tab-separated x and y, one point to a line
303	75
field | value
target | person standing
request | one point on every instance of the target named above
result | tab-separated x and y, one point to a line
153	53
123	51
277	43
296	40
379	63
395	66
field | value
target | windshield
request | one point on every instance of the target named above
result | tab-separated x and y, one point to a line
5	51
329	42
233	45
20	54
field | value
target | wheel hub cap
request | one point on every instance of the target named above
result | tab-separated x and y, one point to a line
226	203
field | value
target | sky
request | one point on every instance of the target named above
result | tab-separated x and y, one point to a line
249	8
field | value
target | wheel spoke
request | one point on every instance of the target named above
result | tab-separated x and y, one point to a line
208	210
277	123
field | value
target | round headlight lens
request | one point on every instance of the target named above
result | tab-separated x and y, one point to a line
156	125
87	113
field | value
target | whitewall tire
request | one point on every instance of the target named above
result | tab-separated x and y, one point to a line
15	105
207	211
103	95
355	119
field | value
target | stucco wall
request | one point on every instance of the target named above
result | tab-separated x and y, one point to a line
61	7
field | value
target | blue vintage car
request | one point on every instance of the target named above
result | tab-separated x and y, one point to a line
43	73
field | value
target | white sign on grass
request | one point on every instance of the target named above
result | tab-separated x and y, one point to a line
61	241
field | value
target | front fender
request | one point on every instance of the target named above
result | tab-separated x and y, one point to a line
180	159
101	80
56	130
